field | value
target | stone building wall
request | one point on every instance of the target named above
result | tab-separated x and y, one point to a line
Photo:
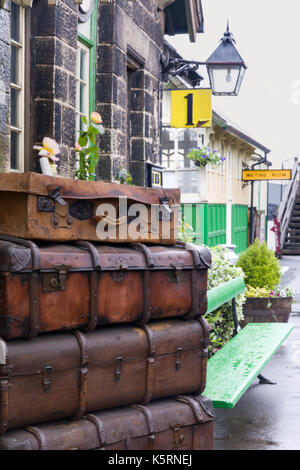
129	46
53	77
127	87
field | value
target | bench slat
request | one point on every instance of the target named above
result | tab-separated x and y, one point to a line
234	367
219	295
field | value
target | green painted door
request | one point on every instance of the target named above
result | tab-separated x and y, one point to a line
208	222
216	224
239	227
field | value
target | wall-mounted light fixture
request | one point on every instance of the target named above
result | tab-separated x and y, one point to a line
225	67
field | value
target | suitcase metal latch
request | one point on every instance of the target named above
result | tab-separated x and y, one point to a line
178	271
118	368
55	282
165	211
178	435
54	193
47	378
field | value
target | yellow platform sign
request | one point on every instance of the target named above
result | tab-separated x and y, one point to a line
191	108
265	175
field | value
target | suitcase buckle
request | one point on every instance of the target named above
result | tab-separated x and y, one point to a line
54	193
178	271
165	213
178	435
55	283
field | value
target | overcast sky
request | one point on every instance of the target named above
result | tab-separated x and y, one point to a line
267	34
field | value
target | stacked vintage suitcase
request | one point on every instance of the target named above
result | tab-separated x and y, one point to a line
102	344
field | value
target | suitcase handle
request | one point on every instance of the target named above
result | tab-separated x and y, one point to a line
126	219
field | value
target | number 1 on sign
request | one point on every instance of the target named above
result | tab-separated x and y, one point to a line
189	99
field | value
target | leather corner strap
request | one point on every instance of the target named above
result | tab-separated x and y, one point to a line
33	282
83	346
93	316
200	258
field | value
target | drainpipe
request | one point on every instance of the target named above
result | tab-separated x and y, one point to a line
229	197
264	160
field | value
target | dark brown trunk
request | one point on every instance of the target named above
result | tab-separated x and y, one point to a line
62	375
182	423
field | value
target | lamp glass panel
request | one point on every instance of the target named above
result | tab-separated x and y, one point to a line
224	78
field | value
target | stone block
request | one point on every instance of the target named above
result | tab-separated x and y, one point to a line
66	24
138	173
72	90
137	124
43	82
137	149
4	26
43	119
68	126
104	168
137	100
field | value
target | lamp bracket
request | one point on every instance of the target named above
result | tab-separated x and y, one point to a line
177	66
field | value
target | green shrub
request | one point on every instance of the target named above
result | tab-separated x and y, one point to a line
260	266
221	320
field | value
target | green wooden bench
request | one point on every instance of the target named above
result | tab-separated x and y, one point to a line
233	368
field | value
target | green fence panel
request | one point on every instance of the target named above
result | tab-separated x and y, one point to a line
208	222
239	236
216	224
193	214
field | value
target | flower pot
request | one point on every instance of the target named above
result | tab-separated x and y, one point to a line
202	183
266	309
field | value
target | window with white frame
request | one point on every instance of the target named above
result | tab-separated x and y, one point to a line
83	86
17	79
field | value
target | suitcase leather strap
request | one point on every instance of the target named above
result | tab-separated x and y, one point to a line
99	428
39	435
82	342
195	406
204	352
150	363
150	264
4	385
33	282
146	252
195	310
149	420
93	316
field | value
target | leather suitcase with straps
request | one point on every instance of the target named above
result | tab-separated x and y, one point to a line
40	207
69	374
51	287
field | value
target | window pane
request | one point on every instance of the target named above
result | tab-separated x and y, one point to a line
14	149
14	65
82	108
14	115
15	22
83	65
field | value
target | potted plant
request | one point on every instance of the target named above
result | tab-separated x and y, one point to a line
221	320
265	301
202	156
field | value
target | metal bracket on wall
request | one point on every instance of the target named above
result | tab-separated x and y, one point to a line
245	167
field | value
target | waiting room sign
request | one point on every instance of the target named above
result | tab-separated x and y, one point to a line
266	175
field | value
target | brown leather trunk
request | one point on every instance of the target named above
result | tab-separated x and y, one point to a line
50	287
62	375
182	423
35	206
